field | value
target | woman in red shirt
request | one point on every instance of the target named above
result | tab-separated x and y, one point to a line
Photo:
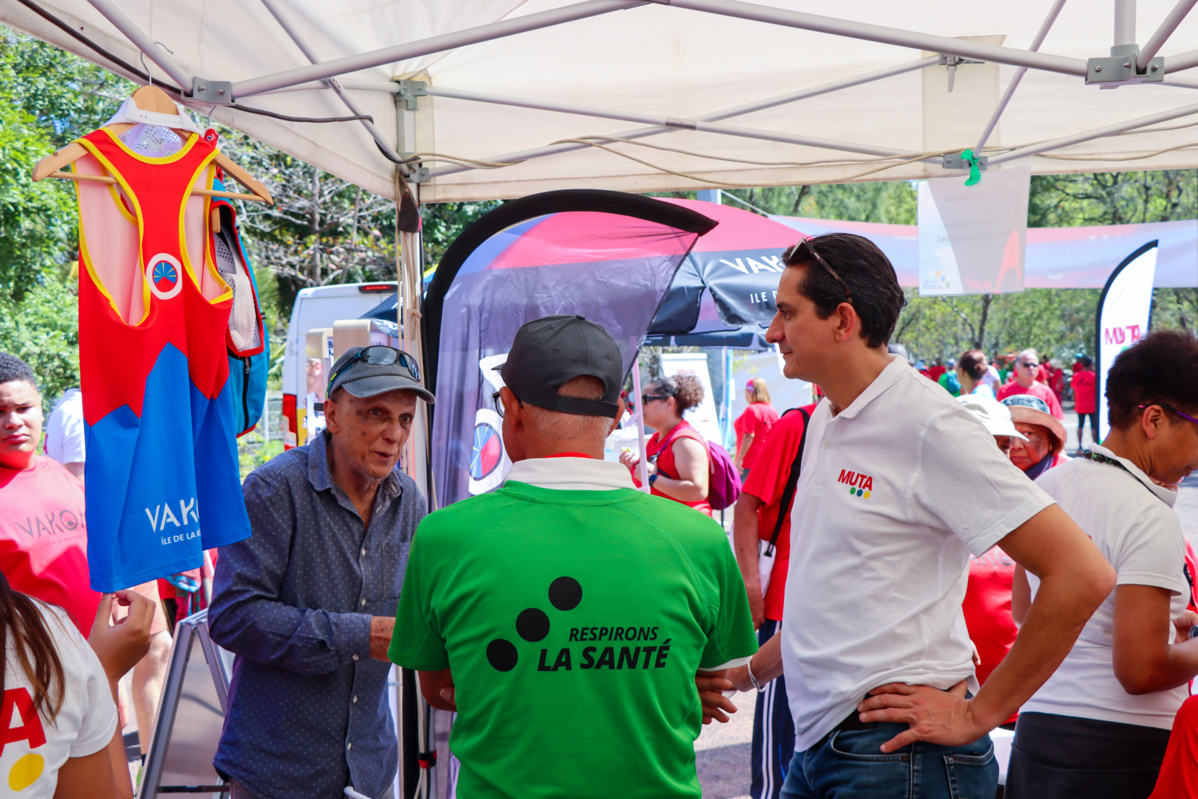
1085	402
679	462
753	425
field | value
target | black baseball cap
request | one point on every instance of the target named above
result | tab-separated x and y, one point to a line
553	350
377	369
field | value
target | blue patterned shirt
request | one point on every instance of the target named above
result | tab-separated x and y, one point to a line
308	708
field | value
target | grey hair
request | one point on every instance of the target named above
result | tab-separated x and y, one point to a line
558	425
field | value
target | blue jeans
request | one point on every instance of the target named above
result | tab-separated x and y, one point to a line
848	765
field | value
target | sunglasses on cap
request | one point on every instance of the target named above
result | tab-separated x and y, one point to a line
379	355
796	253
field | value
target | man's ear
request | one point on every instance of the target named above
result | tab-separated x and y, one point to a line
332	416
848	324
621	409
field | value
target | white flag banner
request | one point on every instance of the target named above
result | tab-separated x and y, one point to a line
1123	316
972	238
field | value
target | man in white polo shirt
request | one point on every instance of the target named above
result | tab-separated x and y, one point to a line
899	485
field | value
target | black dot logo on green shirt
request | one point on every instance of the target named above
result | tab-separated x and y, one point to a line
502	655
565	593
532	624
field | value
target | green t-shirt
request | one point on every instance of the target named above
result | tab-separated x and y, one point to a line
574	623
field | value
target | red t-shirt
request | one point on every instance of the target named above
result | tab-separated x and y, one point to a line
665	460
757	420
43	538
987	608
766	482
1179	770
1084	398
1036	389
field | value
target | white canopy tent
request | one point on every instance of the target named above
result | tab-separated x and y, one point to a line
568	93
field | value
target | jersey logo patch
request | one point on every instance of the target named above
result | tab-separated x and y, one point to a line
164	272
859	483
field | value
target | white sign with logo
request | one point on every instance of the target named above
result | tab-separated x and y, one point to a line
1123	316
972	238
703	418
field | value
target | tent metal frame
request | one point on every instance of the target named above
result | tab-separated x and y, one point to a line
1136	63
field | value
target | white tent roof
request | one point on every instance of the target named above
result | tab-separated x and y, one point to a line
681	63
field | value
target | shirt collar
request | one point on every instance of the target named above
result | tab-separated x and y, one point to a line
320	475
885	379
571	474
1164	494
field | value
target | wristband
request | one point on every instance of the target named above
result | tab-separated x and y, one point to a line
652	478
752	678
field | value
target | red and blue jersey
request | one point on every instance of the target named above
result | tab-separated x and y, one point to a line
162	480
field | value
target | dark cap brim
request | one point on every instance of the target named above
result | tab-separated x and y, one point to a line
374	385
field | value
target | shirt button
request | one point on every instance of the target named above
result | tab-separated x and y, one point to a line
355	657
363	550
349	745
355	699
363	601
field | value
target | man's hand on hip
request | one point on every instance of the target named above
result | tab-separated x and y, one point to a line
940	717
381	628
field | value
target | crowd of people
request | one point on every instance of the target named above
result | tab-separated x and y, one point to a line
915	562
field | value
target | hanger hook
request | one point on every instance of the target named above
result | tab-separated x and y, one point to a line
150	78
208	121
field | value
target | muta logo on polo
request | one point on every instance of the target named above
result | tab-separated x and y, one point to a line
859	483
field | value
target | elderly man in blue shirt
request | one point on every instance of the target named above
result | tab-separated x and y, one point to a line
308	602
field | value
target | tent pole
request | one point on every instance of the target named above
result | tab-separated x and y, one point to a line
310	54
672	122
1181	83
1125	23
885	35
1182	61
143	42
1097	133
748	108
643	463
434	44
758	105
1168	25
1019	73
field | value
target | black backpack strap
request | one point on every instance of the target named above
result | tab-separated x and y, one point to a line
792	480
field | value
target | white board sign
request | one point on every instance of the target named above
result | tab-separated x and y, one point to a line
972	238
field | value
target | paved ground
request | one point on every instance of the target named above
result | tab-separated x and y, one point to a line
722	751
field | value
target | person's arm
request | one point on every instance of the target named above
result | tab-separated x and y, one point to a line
744	543
118	647
746	441
1144	659
1021	596
1074	580
246	616
766	665
438	689
690	459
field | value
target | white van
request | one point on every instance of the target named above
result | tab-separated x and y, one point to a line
320	307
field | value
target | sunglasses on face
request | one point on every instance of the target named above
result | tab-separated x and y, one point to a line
379	355
1028	364
646	398
805	247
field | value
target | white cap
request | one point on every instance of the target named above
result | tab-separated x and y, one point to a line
992	413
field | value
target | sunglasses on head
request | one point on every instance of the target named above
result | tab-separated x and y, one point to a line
378	355
796	253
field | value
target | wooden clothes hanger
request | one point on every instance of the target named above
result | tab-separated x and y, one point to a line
155	100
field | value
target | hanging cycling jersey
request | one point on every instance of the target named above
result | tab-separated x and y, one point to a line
162	481
248	344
